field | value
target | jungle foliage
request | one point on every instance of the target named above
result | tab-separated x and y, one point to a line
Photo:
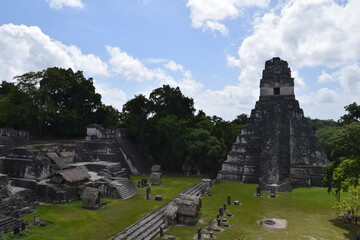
341	143
167	130
54	102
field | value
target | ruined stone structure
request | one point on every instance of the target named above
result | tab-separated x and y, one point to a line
183	209
276	148
57	172
155	175
111	145
10	138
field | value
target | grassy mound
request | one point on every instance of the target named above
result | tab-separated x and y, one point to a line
71	221
308	212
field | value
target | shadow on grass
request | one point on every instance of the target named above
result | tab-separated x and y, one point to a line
350	228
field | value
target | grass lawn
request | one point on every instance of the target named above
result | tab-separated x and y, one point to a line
308	211
70	221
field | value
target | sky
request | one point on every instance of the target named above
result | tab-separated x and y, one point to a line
214	50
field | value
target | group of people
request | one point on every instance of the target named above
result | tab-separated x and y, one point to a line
349	217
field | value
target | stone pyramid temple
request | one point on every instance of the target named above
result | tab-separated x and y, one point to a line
276	148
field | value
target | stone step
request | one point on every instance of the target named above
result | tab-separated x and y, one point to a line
150	221
126	189
131	232
148	227
151	229
195	190
9	223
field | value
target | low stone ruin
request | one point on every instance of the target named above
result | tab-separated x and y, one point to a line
10	138
191	170
114	188
183	210
92	197
71	176
15	201
11	224
155	175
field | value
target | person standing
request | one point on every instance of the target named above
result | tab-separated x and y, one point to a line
349	217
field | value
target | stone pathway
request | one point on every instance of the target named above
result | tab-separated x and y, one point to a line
149	226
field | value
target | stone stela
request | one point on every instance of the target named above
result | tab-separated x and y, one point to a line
258	191
148	193
221	211
277	148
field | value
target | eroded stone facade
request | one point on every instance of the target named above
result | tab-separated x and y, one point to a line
277	147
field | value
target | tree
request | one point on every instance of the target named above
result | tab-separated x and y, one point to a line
66	100
57	102
316	124
202	149
347	173
135	115
348	176
226	132
168	100
353	114
167	131
342	147
170	132
16	109
5	88
240	119
107	116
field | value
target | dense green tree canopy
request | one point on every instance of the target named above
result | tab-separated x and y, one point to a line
166	100
353	114
341	143
166	129
53	102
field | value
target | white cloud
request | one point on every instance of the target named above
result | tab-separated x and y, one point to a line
228	102
111	95
348	77
24	49
188	85
299	81
65	3
306	34
325	77
174	66
215	26
208	14
325	103
326	95
155	60
233	61
133	69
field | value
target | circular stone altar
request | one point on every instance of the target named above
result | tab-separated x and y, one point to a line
273	223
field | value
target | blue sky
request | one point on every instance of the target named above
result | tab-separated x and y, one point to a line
214	50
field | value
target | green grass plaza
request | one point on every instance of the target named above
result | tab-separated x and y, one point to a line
308	212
